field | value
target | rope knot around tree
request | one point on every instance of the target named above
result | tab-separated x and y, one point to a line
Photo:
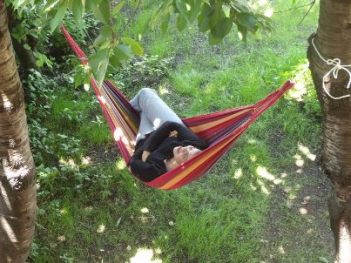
334	71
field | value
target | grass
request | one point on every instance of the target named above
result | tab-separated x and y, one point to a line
263	202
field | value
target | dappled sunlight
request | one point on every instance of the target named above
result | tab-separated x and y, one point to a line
302	156
238	173
281	250
252	141
63	211
303	211
264	6
300	88
299	161
7	104
86	87
15	167
306	200
310	231
156	123
298	91
144	210
303	149
268	12
146	216
88	209
8	230
262	2
121	165
101	228
253	158
162	90
345	242
69	163
146	255
61	239
86	160
102	100
5	197
264	189
118	134
263	173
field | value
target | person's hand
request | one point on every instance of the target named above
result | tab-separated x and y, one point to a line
173	134
145	155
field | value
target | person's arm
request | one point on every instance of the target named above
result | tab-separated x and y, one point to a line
144	170
163	132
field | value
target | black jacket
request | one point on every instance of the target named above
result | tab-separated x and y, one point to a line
160	146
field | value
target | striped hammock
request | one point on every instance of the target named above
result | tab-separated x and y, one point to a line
220	129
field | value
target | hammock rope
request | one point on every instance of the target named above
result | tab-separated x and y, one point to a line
220	129
336	67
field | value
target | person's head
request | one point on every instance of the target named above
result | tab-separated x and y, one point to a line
183	153
180	155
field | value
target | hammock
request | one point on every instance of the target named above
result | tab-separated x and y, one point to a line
220	129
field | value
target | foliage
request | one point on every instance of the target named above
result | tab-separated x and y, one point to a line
143	71
215	17
114	49
47	145
28	28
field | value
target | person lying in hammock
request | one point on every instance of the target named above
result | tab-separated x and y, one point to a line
163	141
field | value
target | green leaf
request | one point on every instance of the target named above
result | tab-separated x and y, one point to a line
243	31
240	6
195	8
181	6
78	7
102	11
222	28
135	46
26	46
248	20
118	7
120	54
51	5
217	15
165	23
204	18
323	260
90	5
213	40
165	9
105	36
17	3
181	22
60	14
99	62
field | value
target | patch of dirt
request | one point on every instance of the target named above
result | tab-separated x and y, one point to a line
104	154
297	223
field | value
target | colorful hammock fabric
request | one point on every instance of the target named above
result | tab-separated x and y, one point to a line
220	129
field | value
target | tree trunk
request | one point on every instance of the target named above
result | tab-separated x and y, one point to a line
17	171
333	40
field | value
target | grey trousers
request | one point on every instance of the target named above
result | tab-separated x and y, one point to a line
153	112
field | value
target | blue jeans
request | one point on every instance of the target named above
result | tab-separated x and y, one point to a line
153	112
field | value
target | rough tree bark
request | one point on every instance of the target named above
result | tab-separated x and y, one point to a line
17	171
333	39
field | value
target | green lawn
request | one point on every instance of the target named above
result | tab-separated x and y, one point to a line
265	201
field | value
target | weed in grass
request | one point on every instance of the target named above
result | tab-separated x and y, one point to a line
95	132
